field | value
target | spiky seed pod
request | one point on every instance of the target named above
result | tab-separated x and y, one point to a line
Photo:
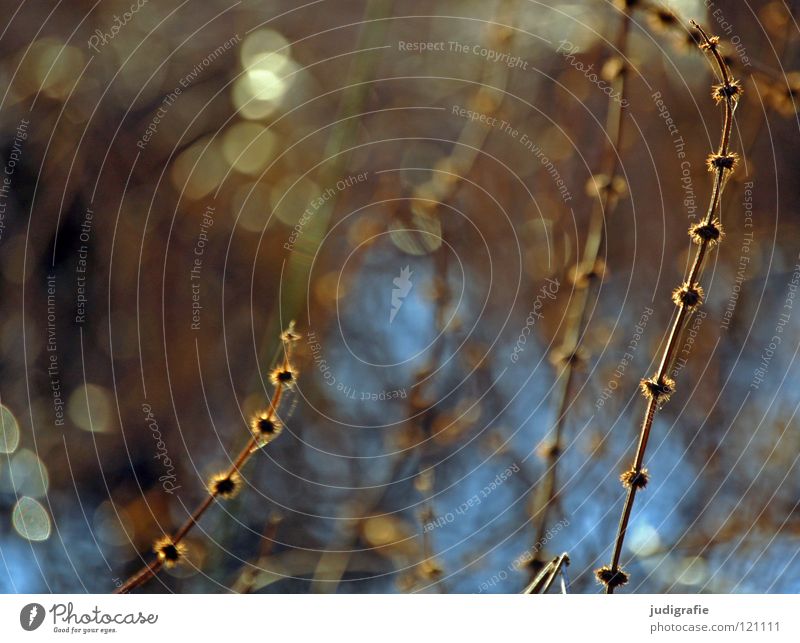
711	44
225	486
283	376
611	578
688	296
265	426
725	162
576	357
658	390
636	479
290	336
722	92
710	233
169	552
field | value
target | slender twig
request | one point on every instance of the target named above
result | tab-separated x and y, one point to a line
548	574
586	269
687	298
169	549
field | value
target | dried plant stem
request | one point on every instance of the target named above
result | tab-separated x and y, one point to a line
545	578
570	348
151	569
706	235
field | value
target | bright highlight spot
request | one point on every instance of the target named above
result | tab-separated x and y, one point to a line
30	519
90	408
9	431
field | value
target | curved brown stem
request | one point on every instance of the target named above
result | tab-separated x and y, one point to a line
613	576
151	569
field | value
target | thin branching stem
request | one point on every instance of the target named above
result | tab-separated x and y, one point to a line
151	569
548	574
576	309
706	235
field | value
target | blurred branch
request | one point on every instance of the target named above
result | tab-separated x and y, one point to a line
570	355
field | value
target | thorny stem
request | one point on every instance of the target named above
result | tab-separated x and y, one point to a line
683	312
576	310
151	569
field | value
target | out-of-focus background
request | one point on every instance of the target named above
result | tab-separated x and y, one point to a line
408	182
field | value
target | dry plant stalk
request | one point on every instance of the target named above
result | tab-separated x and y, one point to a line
265	427
570	355
543	581
687	297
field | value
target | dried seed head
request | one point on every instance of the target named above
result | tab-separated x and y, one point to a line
613	68
169	552
283	376
225	486
549	450
563	355
598	184
611	578
290	336
658	390
265	426
431	569
581	275
710	233
622	4
688	295
722	92
724	162
635	479
711	43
